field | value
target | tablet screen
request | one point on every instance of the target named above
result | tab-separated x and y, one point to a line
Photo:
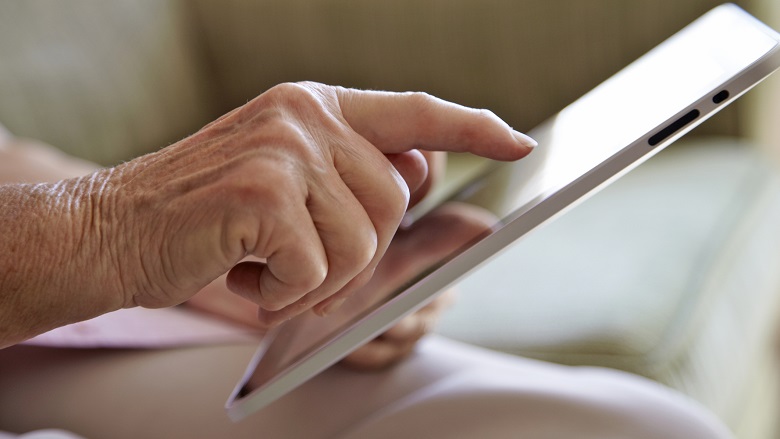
644	106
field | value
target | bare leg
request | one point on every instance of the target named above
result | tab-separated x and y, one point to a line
445	390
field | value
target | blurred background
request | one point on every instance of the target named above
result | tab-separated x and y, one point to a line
108	80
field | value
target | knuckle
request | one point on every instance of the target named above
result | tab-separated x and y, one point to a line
364	254
356	261
282	127
398	201
357	252
316	275
394	196
419	100
313	86
292	139
486	117
285	90
295	96
422	108
286	141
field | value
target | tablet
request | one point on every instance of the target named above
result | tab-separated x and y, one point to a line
622	122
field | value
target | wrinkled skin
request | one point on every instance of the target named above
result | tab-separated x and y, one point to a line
312	180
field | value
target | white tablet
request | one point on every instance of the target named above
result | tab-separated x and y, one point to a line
616	126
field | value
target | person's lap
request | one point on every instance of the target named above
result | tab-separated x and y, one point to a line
445	389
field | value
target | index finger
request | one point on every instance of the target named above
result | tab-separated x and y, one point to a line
398	122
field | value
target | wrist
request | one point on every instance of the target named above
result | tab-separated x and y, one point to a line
57	270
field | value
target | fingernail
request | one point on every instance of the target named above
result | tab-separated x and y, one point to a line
333	306
525	140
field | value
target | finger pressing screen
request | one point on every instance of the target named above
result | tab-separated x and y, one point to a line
396	122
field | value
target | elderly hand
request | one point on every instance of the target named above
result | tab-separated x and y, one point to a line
412	251
311	179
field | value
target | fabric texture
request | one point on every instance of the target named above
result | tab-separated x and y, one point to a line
141	328
105	81
108	81
525	60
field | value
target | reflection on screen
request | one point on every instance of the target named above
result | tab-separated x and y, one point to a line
691	65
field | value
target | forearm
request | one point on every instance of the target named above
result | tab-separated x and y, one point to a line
51	271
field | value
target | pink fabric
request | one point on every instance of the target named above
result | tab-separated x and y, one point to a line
146	328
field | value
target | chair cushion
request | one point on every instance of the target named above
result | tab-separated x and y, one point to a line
104	81
672	272
516	58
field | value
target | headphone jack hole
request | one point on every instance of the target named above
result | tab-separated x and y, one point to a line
720	96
